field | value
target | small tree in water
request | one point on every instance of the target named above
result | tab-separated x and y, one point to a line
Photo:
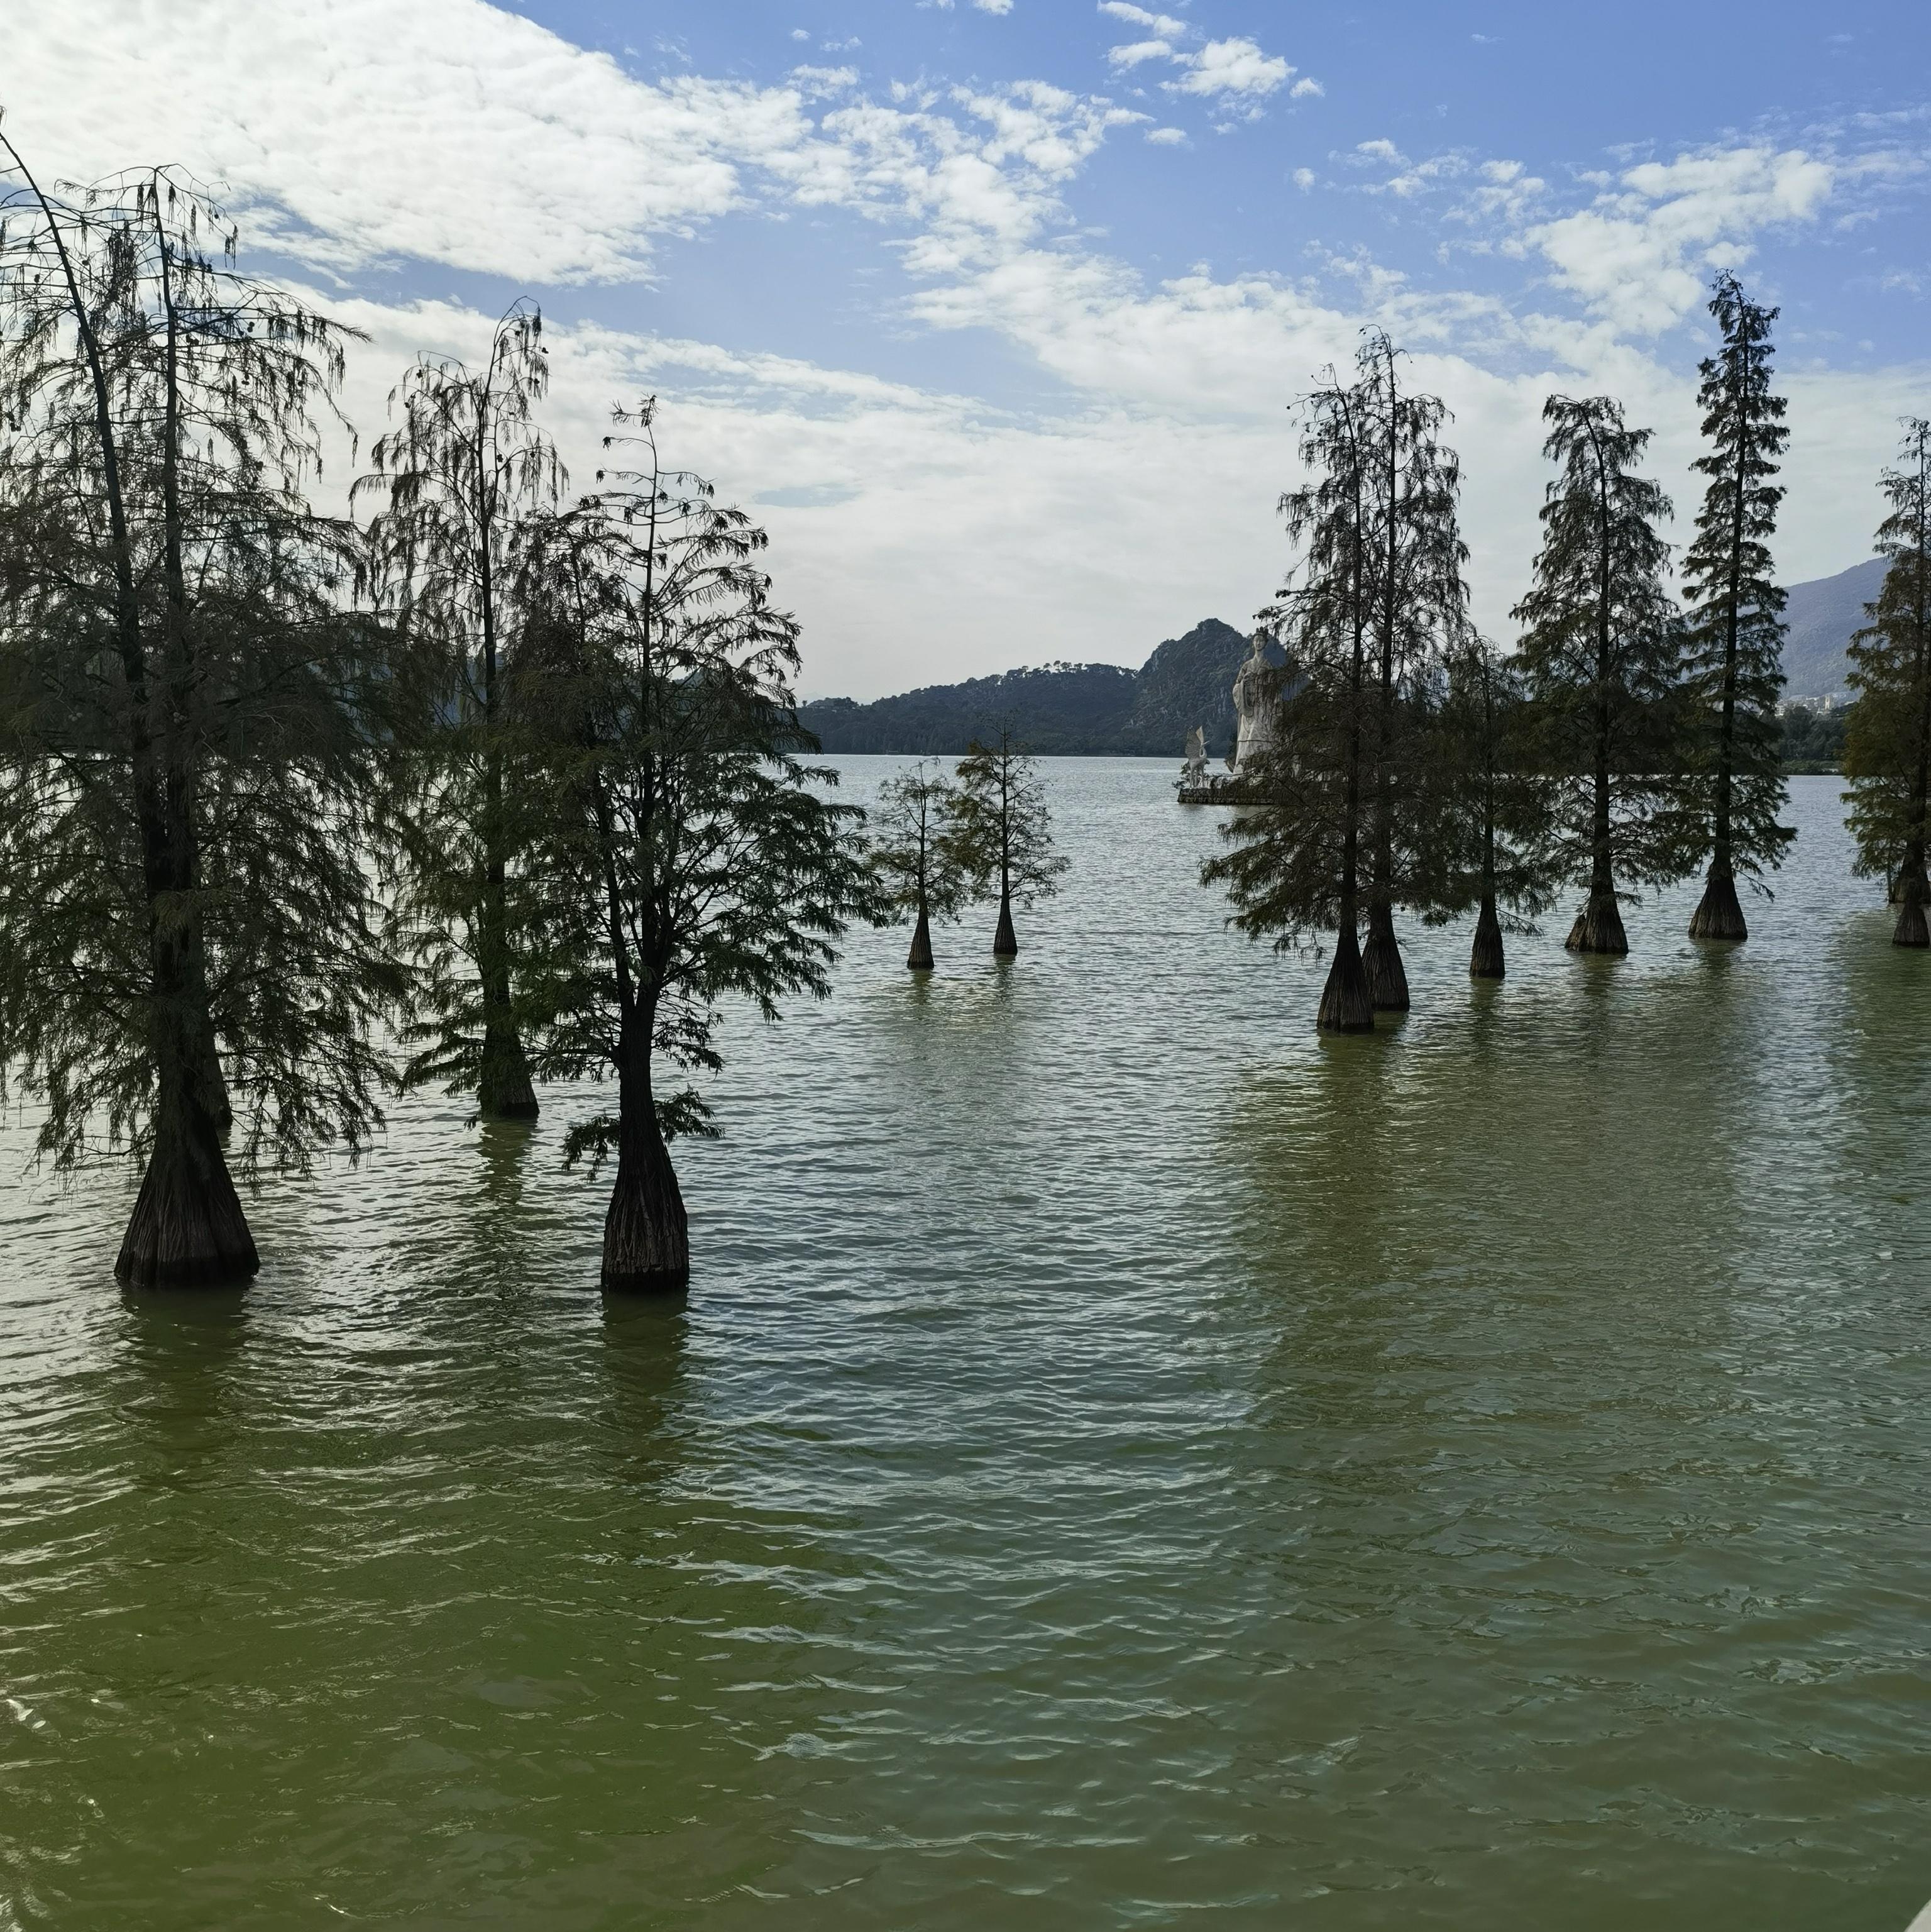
463	476
1736	632
1602	654
915	853
686	856
1003	832
190	710
1887	743
1493	807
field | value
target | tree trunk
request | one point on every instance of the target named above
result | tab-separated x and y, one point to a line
1345	1006
1599	926
503	1088
1387	979
1004	944
1912	927
1718	914
1486	959
919	959
646	1236
188	1229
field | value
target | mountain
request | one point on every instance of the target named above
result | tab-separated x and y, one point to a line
1059	709
1108	710
1821	616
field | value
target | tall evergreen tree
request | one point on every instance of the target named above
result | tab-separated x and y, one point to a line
190	711
915	853
683	854
1002	831
1602	653
1492	804
462	477
1413	563
1887	743
1293	867
1736	625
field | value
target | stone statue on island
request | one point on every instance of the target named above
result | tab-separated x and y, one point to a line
1257	703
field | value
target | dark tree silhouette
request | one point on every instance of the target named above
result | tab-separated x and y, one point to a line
915	853
1887	742
1413	563
684	856
1002	831
461	478
1736	626
1602	654
186	704
1492	804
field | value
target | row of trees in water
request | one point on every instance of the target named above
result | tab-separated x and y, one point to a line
1629	740
486	785
483	784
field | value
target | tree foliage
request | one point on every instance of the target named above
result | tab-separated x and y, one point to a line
190	711
463	478
1887	741
684	855
1001	830
1734	639
1602	655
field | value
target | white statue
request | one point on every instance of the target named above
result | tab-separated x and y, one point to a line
1193	773
1257	689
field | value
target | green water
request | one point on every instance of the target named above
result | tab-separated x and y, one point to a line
1124	1461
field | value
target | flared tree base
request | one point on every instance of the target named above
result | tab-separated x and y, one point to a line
187	1230
919	959
1345	1007
1005	941
1718	915
1486	960
1912	928
646	1235
1598	928
1387	978
504	1092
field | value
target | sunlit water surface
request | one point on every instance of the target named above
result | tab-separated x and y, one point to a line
1125	1461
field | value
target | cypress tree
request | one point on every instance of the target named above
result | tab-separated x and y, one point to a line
682	854
191	710
1001	832
1602	654
1492	805
1414	558
462	477
1736	625
1887	741
915	853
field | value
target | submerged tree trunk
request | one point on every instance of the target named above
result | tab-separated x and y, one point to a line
646	1236
1485	958
1912	928
503	1088
1004	943
919	959
188	1229
1381	961
1598	925
1718	914
1345	1006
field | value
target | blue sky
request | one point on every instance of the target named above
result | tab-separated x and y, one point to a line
995	310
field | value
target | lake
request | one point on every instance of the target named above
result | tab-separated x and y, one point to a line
1125	1461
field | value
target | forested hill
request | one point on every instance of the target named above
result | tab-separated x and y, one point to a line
1821	616
1109	710
1058	708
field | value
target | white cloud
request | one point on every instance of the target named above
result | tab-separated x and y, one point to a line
1304	178
994	6
1133	51
1305	87
1231	67
1164	25
1167	137
1641	255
